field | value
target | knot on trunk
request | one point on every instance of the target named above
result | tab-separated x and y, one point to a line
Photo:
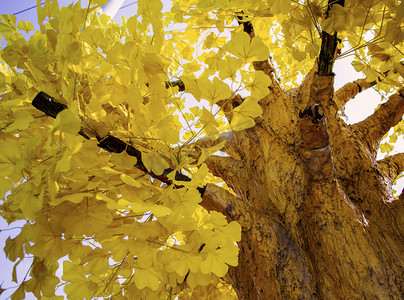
313	128
312	113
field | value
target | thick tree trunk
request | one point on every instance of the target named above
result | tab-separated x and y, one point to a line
318	217
314	206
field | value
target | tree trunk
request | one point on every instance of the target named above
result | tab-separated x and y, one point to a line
316	211
318	217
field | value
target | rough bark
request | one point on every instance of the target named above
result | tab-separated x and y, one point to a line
311	185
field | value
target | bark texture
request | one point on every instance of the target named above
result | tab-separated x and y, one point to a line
318	217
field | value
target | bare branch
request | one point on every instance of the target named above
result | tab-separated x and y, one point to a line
373	128
350	90
392	166
329	43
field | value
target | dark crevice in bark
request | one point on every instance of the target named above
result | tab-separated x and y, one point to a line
329	45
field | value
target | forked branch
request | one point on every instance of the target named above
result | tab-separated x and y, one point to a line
392	166
373	128
350	90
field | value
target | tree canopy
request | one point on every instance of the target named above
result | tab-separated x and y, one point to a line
110	131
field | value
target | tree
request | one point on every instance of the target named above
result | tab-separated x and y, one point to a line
127	185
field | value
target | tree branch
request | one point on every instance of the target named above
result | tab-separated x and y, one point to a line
392	166
265	66
226	168
218	199
350	90
52	107
329	44
213	197
373	128
229	146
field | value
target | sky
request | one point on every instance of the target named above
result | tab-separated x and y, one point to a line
356	110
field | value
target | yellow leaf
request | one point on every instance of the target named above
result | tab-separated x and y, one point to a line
243	114
209	124
7	24
64	164
206	152
247	49
146	278
122	161
96	262
11	161
149	7
192	87
74	53
214	264
74	198
259	86
198	278
14	247
87	220
26	26
233	230
154	162
228	67
67	121
129	180
200	175
168	129
31	204
214	92
154	64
